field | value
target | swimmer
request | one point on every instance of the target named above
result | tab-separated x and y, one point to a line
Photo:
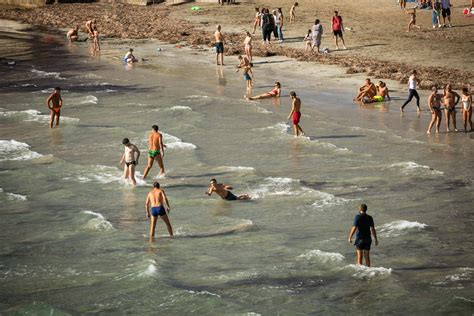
219	42
155	151
412	22
293	12
451	99
364	225
54	103
466	100
275	93
129	58
295	114
368	90
223	190
434	104
130	158
72	34
155	206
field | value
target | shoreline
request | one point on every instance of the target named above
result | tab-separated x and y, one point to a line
190	34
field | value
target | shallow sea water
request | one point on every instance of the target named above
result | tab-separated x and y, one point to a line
73	233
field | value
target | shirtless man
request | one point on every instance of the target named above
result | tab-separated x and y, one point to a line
90	27
155	206
129	58
156	151
130	158
382	91
367	90
434	104
275	93
223	190
451	99
72	35
295	114
54	103
293	12
219	42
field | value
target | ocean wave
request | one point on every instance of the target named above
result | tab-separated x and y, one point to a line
88	99
241	225
173	142
202	293
236	168
463	275
14	150
180	108
150	270
99	222
97	173
324	257
282	128
400	227
195	96
261	110
44	74
362	129
14	196
412	168
35	116
362	272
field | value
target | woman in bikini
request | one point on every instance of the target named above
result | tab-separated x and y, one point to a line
466	101
248	46
274	93
434	104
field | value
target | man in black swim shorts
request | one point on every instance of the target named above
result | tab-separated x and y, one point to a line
364	225
223	190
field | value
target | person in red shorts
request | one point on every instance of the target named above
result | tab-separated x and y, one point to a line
337	29
295	114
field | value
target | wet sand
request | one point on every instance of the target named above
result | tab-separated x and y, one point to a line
379	45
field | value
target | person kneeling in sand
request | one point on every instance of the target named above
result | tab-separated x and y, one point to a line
275	93
155	206
368	90
73	35
129	58
223	190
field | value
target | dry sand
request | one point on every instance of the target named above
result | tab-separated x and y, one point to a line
378	44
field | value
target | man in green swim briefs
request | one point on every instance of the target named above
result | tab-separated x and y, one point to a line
155	151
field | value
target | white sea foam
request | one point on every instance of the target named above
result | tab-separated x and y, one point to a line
194	96
363	272
44	74
35	116
99	222
237	168
173	142
262	110
14	150
16	197
282	128
180	108
241	226
203	293
151	269
88	99
324	257
110	90
412	168
361	129
400	227
97	173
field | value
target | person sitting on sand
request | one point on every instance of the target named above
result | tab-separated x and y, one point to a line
293	12
223	190
368	90
129	58
382	91
434	104
274	93
412	22
73	35
155	206
54	103
307	41
466	100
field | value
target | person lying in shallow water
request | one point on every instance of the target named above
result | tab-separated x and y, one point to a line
223	190
274	93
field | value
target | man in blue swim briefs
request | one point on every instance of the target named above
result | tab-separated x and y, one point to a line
223	190
364	225
155	206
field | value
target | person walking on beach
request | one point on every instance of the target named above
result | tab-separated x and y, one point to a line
258	18
451	99
223	190
446	11
248	46
219	44
316	33
295	114
466	100
412	22
403	4
54	102
157	205
434	104
279	25
274	93
73	34
155	152
130	159
412	81
337	29
364	225
293	13
368	90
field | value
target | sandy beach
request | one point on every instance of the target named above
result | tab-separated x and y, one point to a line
378	44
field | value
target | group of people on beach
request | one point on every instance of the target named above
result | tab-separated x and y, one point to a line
92	34
440	12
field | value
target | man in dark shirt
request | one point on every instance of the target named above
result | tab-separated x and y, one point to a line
364	225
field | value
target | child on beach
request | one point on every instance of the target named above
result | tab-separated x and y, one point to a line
95	36
466	100
295	114
248	45
248	74
412	22
54	103
293	12
130	159
307	41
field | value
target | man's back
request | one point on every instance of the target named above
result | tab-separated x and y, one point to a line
156	197
154	140
363	222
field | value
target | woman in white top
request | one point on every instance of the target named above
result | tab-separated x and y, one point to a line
279	25
258	20
466	100
248	46
412	81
